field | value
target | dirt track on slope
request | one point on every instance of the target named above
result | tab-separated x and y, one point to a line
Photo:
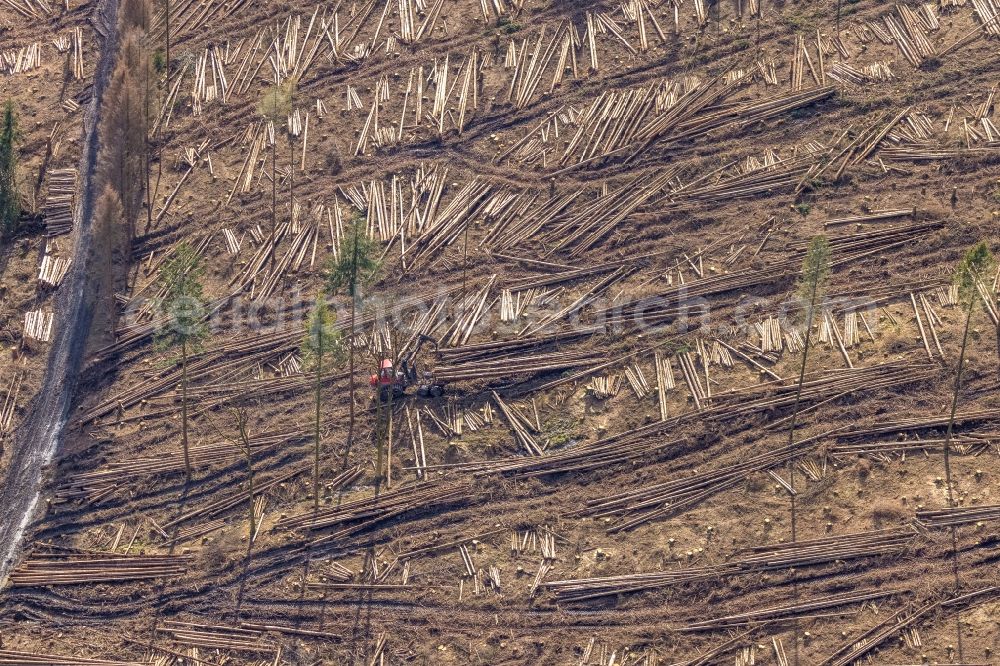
39	435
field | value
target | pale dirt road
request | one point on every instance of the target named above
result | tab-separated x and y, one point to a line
39	436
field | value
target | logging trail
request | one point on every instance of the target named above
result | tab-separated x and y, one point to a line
38	437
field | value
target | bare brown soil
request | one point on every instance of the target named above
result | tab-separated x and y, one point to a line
442	615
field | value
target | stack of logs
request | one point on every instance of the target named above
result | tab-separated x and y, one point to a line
59	212
44	569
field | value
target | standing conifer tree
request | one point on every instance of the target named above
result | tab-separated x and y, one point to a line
275	105
184	306
10	198
353	270
815	271
973	274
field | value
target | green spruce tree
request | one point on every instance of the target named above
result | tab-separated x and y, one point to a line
355	268
974	273
184	307
275	104
815	272
10	197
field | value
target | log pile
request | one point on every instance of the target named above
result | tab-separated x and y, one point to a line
359	515
209	86
940	518
931	154
627	122
569	312
788	612
10	403
59	211
217	637
856	648
584	229
525	365
910	423
38	325
46	569
21	658
971	444
644	504
986	13
780	557
522	427
513	349
686	126
33	9
858	150
76	41
873	216
876	72
907	32
18	61
53	269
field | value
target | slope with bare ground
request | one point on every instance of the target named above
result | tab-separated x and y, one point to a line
492	159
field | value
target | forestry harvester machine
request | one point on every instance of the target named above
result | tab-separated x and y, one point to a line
394	381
